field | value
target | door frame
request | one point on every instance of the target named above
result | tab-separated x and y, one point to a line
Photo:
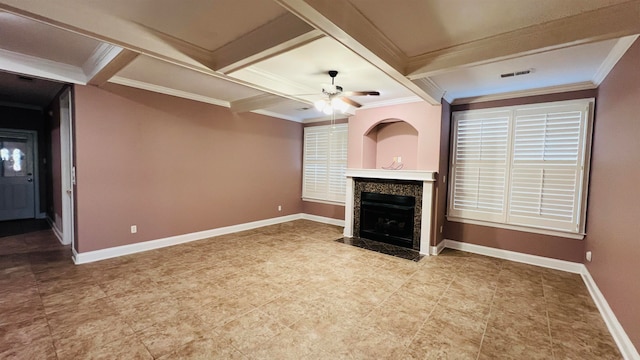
35	163
66	167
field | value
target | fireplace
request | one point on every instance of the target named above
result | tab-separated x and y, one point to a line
379	201
387	218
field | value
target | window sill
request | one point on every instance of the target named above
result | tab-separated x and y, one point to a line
321	201
564	234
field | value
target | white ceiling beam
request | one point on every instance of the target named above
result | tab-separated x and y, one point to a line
340	20
34	66
106	61
601	24
284	33
257	102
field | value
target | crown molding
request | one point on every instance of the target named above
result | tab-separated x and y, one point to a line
167	91
430	87
621	47
586	85
277	115
398	101
35	66
101	56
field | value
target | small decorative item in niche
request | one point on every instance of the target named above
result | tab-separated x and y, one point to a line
395	165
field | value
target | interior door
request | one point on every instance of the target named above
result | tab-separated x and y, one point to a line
17	186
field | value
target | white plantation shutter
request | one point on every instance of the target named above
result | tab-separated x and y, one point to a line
337	163
325	163
547	166
479	165
523	166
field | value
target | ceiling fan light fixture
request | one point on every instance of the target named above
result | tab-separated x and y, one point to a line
340	105
319	104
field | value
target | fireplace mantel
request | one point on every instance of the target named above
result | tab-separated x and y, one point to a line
426	177
417	175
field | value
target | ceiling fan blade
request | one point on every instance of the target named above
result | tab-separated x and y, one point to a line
361	93
351	102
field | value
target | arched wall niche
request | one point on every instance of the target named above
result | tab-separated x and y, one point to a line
391	143
416	123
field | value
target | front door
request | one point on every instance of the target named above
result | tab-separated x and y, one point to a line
17	186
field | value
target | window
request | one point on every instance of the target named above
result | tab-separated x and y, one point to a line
324	163
525	167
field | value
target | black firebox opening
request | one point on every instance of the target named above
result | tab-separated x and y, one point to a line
387	218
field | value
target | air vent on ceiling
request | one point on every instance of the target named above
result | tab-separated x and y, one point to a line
25	78
516	73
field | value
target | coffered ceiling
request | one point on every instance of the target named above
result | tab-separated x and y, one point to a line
272	56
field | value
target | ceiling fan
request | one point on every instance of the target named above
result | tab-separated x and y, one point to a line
337	98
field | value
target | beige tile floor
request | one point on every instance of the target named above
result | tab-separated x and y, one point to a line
288	292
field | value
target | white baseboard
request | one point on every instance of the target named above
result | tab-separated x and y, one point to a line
97	255
626	347
563	265
435	250
621	338
55	230
323	219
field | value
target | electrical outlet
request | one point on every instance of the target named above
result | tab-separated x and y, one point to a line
134	229
279	207
399	159
440	229
588	256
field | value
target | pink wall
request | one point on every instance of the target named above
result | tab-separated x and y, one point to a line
614	197
326	210
173	166
424	118
397	139
524	242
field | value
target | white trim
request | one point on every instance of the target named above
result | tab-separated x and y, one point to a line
102	55
429	86
390	102
323	219
568	266
621	338
436	250
35	66
418	175
321	201
55	230
577	236
167	91
585	85
621	47
97	255
277	115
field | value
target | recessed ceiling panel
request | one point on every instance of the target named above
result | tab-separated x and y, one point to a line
302	73
204	23
152	71
33	38
553	68
419	27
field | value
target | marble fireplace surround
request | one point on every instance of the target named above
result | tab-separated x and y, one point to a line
370	176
